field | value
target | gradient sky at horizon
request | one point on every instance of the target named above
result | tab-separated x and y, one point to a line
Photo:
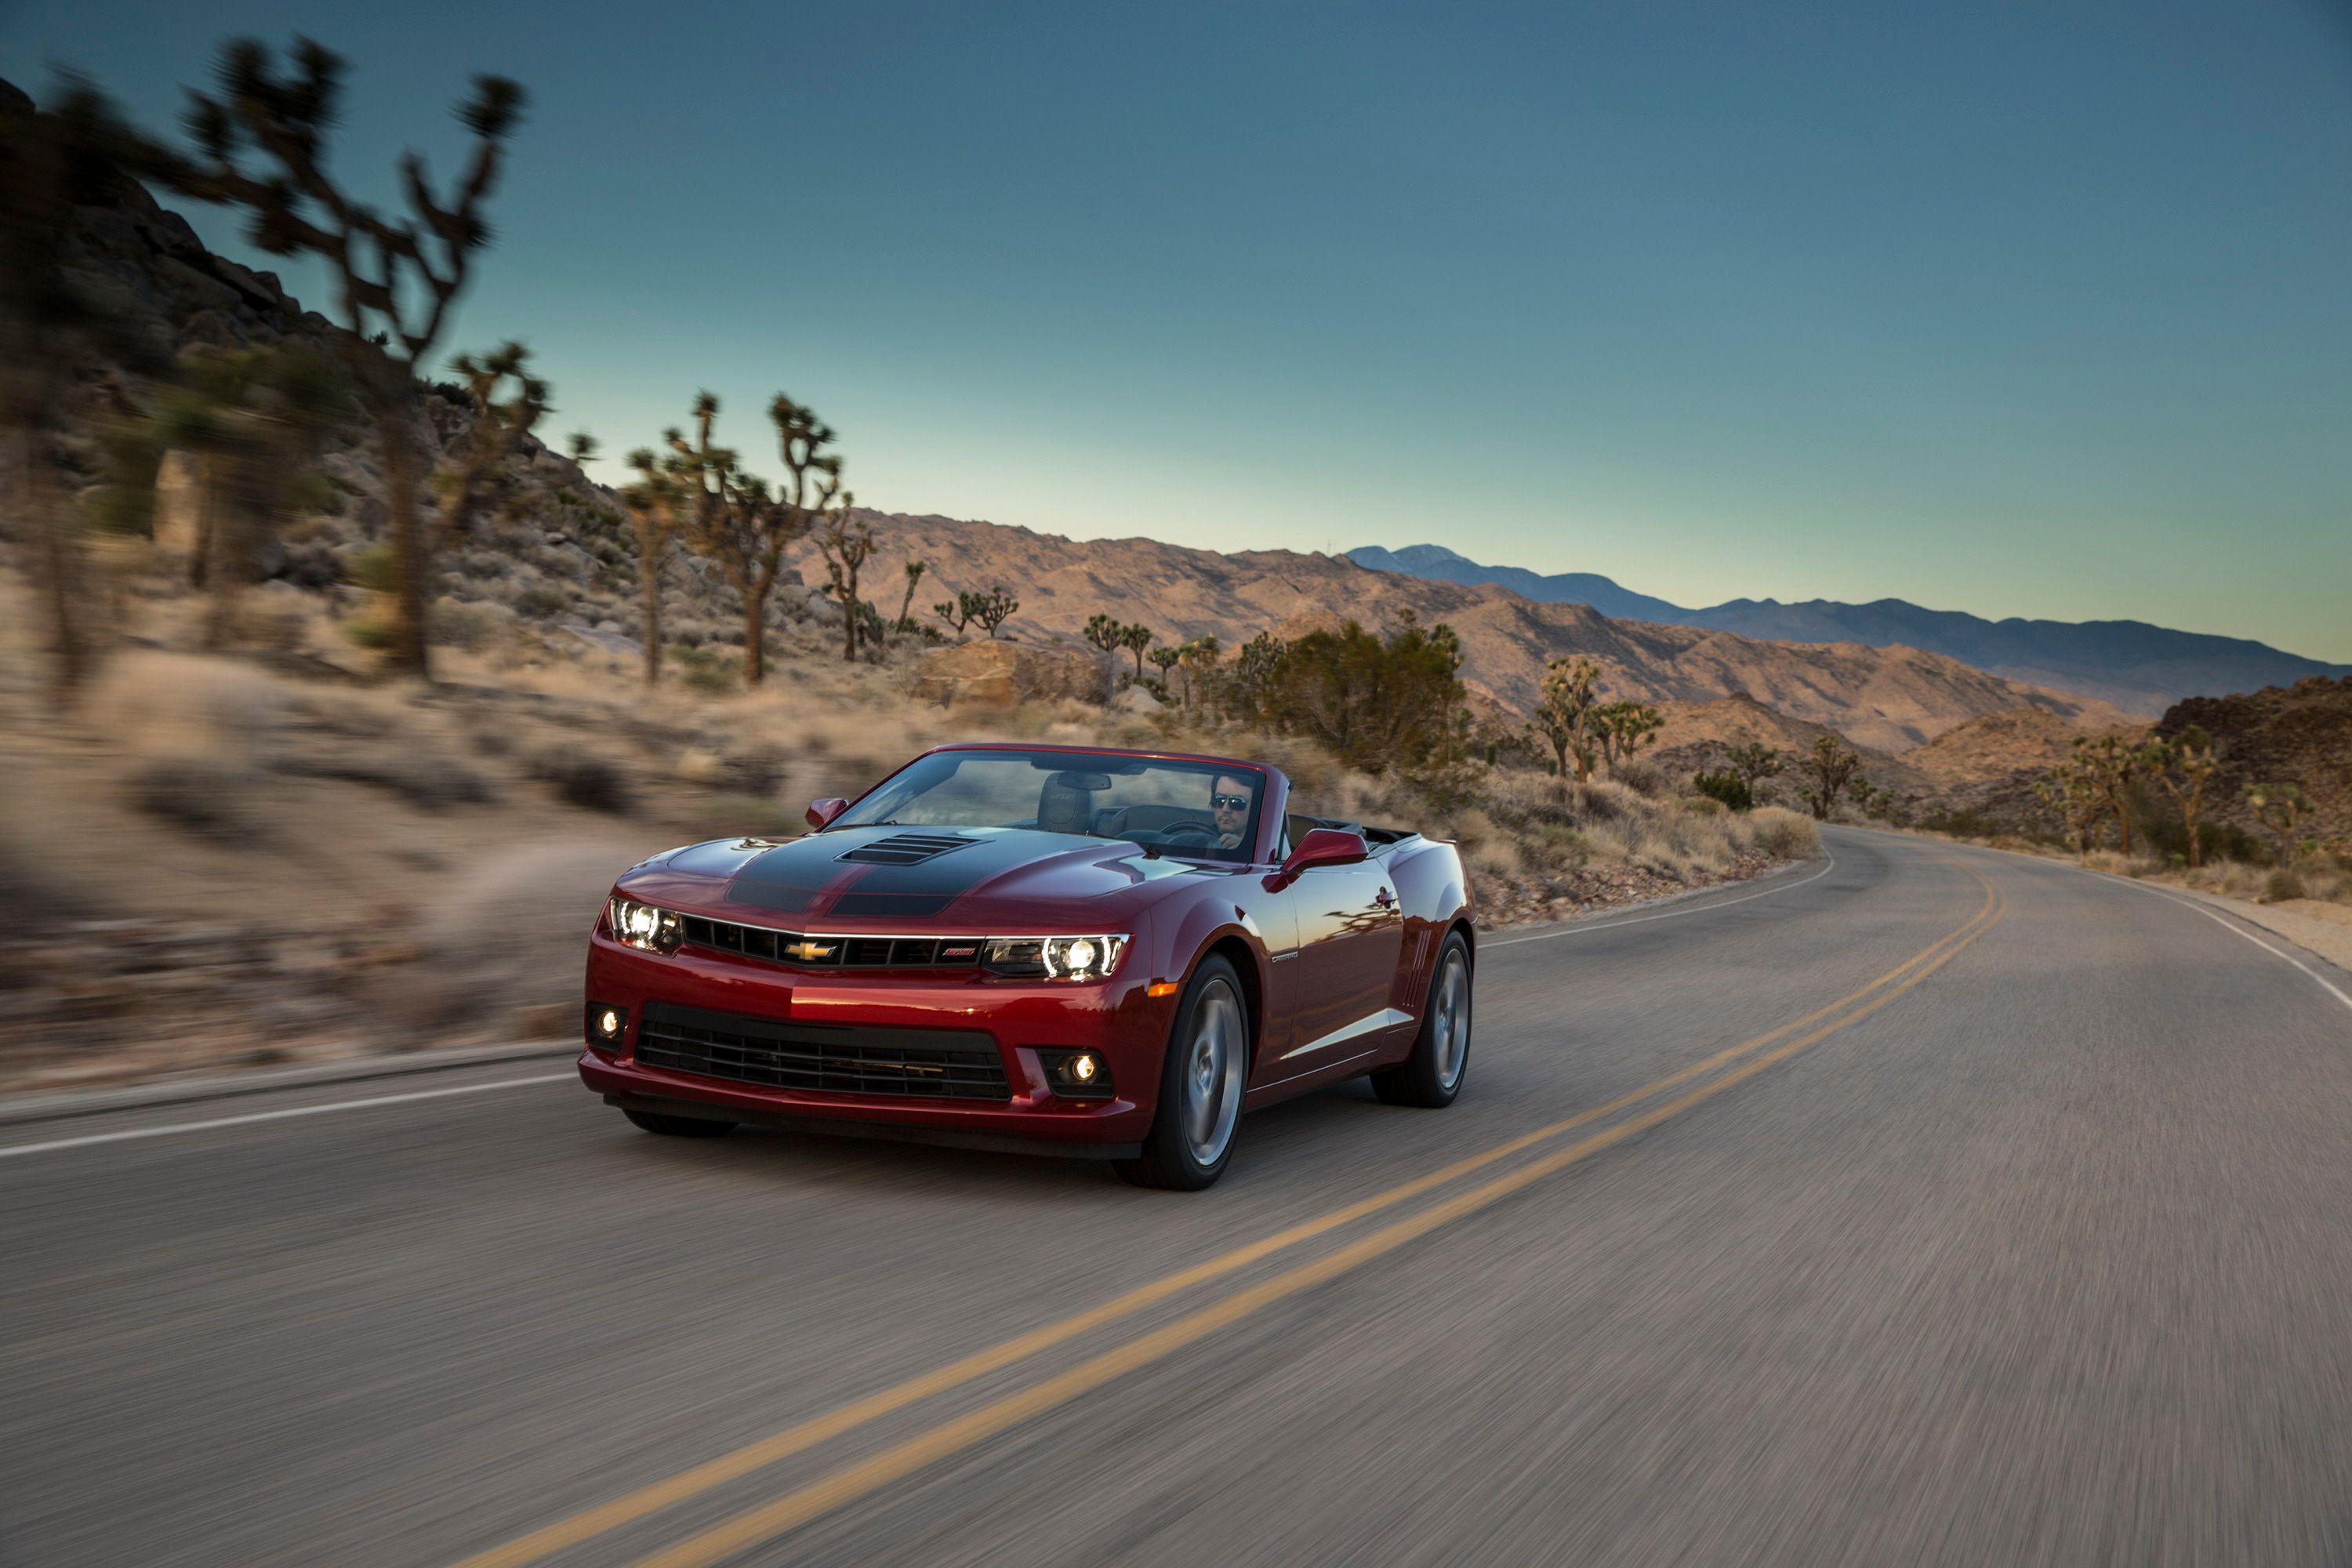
2019	309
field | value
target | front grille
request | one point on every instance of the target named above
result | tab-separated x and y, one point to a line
831	951
822	1058
906	849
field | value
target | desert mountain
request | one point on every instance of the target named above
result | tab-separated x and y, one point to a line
1885	697
2137	667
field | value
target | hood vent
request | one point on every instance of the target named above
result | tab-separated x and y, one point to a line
905	849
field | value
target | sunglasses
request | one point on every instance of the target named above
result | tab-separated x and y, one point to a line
1230	801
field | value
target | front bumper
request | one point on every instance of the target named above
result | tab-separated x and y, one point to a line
1116	1018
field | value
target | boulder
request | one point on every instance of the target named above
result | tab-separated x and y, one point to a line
1000	674
1136	700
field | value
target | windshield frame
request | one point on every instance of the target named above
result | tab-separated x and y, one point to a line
1272	793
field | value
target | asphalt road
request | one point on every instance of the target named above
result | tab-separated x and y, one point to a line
1931	1205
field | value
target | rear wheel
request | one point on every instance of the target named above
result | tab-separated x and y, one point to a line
678	1126
1201	1080
1433	1075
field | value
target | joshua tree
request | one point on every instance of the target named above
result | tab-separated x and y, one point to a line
2072	791
992	609
1164	660
1831	764
1198	657
958	614
906	623
2183	767
1135	640
2113	766
845	546
2279	808
1104	632
261	145
652	504
1755	762
249	420
1622	729
50	331
1564	713
502	422
733	518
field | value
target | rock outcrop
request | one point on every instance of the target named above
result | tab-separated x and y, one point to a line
2299	734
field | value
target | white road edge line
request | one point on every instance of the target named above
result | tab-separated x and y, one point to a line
2219	919
206	1126
2235	930
1580	928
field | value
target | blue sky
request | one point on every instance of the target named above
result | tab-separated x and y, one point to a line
2024	310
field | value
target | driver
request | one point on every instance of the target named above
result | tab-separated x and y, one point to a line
1229	805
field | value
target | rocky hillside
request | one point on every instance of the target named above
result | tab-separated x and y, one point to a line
1889	699
1697	736
2137	667
2299	734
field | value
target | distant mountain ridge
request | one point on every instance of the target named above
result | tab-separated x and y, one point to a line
2139	667
1889	699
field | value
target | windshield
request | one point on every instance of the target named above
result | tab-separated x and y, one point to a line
1201	810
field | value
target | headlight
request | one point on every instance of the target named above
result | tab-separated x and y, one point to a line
1053	957
647	926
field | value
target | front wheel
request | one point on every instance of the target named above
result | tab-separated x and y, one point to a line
1201	1080
678	1126
1433	1075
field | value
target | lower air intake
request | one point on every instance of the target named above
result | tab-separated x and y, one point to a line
822	1058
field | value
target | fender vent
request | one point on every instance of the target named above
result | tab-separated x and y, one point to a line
906	849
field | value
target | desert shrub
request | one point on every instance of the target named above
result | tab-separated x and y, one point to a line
371	629
199	795
1784	834
1704	805
542	603
591	782
1373	701
456	624
712	674
422	777
2282	885
1727	787
372	569
1641	775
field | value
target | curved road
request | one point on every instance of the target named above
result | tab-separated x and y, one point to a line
1924	1206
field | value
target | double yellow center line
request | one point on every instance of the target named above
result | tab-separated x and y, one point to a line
845	1485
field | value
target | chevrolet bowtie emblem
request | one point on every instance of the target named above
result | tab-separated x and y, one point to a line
809	952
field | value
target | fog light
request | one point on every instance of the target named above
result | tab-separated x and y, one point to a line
608	1024
1076	1074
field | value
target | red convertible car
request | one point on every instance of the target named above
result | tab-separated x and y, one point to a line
1059	949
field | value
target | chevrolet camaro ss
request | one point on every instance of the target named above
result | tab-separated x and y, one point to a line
1060	948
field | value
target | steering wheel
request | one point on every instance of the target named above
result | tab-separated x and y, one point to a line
1189	830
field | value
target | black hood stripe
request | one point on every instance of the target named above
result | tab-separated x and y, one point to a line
807	877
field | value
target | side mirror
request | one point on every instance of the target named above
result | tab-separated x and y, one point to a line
821	813
1322	846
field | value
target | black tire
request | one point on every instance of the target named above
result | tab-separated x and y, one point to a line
1443	1043
678	1126
1201	1086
